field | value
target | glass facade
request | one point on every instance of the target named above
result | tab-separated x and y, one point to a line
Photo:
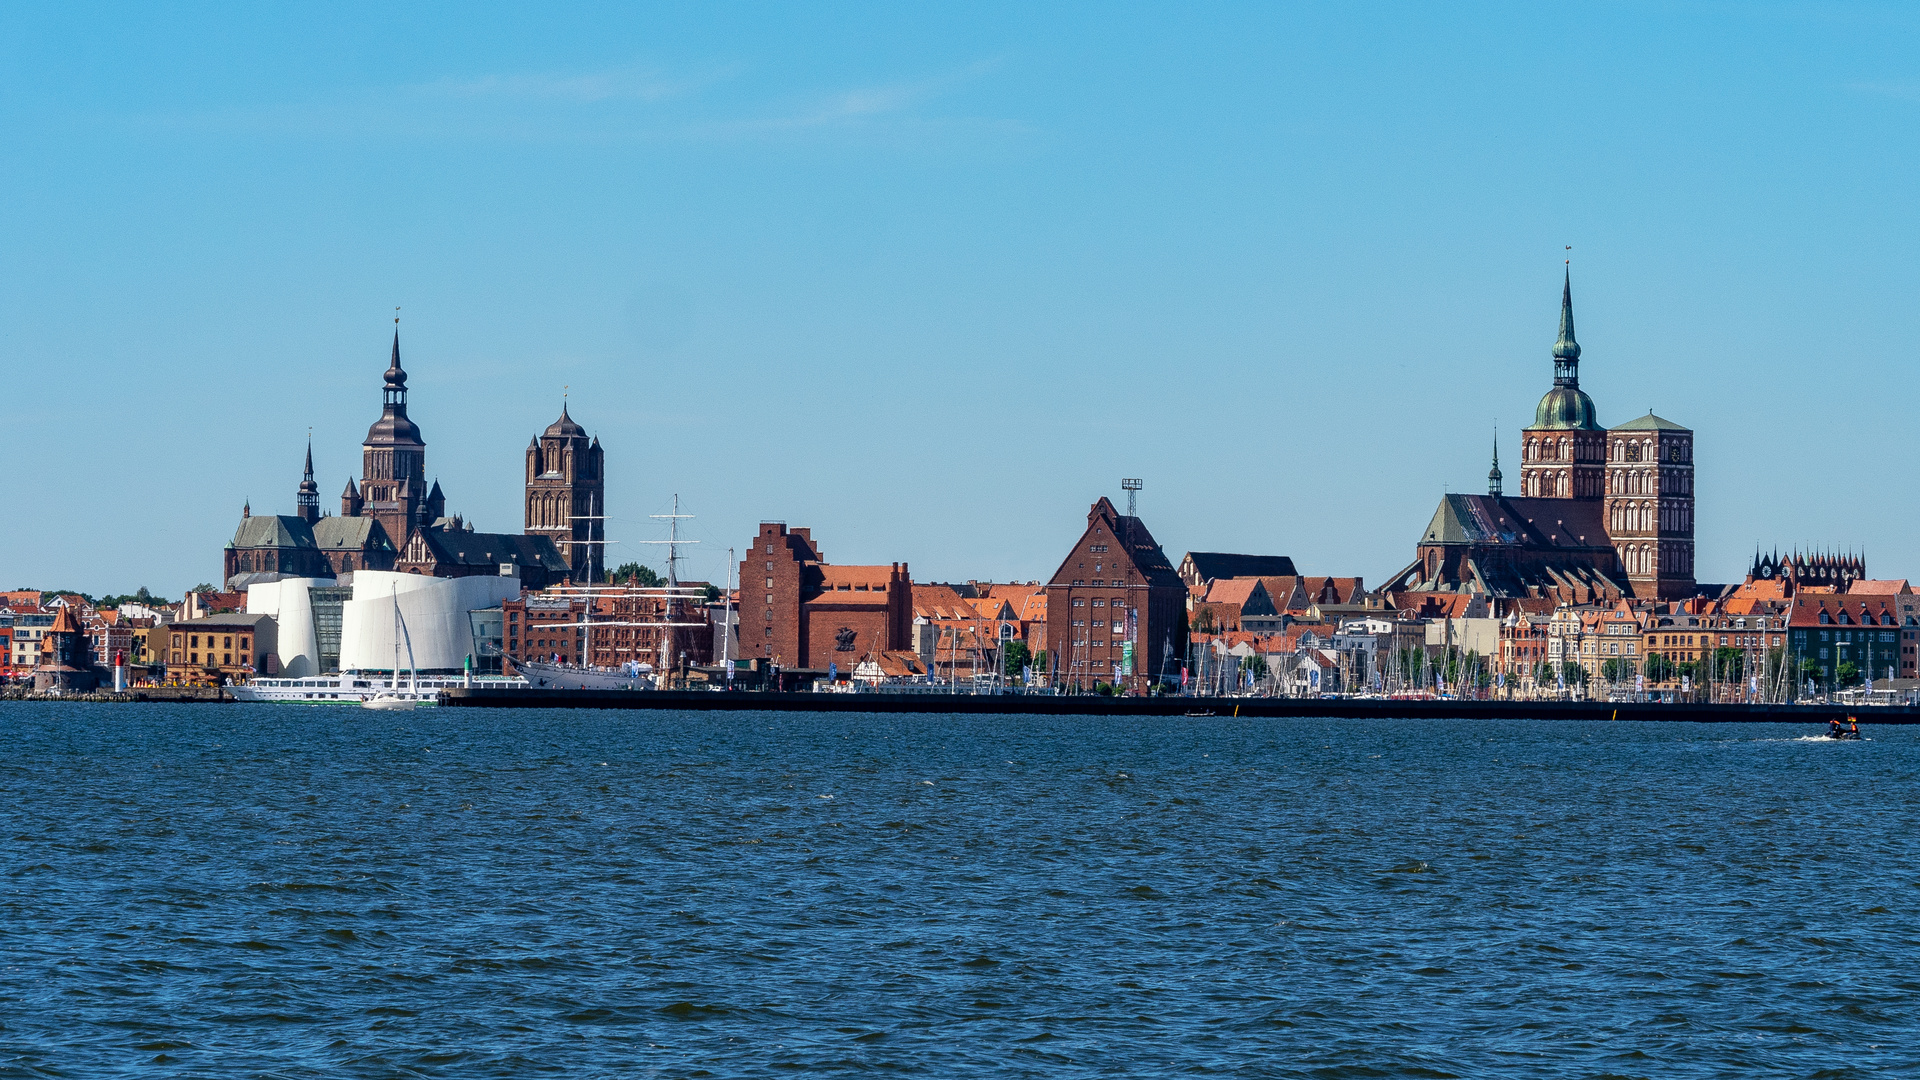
327	602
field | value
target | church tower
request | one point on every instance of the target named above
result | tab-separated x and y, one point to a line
1563	455
567	496
393	459
1649	505
306	502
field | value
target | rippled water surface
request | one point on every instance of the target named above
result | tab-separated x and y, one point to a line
270	891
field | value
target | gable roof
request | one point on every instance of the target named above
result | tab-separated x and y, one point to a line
273	531
1144	551
1521	522
936	602
481	549
1199	567
350	534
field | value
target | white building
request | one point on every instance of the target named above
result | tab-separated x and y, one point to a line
434	628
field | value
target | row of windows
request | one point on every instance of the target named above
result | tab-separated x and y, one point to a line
1866	619
194	658
193	641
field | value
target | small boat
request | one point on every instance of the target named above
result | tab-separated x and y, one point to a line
394	699
386	701
1847	732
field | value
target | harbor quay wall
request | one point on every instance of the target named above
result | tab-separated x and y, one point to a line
1093	705
207	694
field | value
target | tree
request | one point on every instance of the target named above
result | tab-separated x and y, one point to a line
712	593
139	596
634	574
1014	657
1659	668
1576	675
1847	673
1616	670
203	587
1729	664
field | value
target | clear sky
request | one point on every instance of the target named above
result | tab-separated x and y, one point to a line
931	278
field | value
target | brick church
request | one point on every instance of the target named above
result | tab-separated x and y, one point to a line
1602	513
567	496
392	519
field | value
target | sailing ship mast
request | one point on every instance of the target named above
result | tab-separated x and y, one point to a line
669	626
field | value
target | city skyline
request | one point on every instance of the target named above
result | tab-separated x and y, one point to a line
1289	267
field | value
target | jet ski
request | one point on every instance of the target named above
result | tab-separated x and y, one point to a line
1847	732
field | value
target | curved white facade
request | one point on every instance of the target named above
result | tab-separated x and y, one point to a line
292	610
434	611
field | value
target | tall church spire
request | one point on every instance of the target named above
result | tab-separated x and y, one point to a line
1493	474
396	389
1566	351
307	501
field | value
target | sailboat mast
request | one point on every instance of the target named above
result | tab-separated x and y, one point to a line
726	631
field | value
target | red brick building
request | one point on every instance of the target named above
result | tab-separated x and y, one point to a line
799	611
542	626
1116	587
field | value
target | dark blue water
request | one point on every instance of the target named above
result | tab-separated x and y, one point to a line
267	891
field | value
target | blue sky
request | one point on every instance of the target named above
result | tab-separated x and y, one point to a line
929	279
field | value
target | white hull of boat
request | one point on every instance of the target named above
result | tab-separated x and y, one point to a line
545	676
351	688
391	703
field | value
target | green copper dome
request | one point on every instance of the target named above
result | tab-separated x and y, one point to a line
1566	408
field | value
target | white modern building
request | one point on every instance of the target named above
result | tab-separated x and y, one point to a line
433	630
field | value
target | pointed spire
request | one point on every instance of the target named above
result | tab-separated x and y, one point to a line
396	375
1566	348
1493	474
308	476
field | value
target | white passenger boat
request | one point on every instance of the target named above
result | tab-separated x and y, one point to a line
354	687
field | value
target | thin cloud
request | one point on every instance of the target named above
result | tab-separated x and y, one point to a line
626	105
1899	90
862	104
627	84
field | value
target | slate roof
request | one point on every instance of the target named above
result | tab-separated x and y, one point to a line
274	531
1530	523
1204	566
483	549
240	620
1563	541
350	534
